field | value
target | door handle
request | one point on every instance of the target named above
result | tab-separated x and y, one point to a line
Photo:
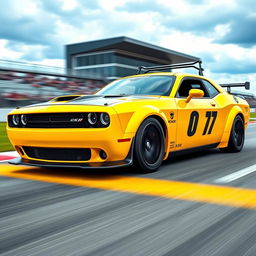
213	104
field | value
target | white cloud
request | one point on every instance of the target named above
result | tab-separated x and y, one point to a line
68	4
222	29
67	34
6	53
51	62
188	26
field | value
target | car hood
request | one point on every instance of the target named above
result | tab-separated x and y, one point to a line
105	100
97	100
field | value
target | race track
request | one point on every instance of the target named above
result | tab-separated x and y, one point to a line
198	204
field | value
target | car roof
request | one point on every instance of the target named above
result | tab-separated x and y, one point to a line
177	74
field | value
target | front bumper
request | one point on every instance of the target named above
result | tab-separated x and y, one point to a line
109	139
128	161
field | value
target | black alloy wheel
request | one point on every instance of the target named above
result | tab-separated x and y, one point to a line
237	134
149	145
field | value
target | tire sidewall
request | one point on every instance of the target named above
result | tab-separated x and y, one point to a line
139	160
232	141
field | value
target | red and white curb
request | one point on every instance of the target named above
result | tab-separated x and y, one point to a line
6	156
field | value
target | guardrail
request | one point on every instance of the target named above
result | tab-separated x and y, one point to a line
25	67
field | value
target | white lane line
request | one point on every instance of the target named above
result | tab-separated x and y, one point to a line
237	175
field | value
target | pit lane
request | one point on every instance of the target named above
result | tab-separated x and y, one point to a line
73	212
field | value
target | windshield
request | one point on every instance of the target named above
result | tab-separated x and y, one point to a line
145	85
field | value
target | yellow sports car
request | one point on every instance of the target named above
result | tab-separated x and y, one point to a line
137	120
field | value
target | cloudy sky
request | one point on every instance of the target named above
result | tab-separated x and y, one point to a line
221	32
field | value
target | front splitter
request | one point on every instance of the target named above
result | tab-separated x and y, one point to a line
102	165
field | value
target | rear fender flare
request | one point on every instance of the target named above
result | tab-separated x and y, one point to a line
236	110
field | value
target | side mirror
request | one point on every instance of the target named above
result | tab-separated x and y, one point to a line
194	93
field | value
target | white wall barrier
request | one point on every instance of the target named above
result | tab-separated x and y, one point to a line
3	114
253	110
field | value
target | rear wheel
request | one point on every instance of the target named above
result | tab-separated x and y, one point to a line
149	146
236	139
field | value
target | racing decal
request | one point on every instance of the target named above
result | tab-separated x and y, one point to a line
210	115
193	122
172	144
236	99
172	118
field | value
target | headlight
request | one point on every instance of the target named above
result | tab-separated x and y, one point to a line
104	118
92	118
16	120
24	119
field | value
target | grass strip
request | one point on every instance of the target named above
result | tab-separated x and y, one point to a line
5	144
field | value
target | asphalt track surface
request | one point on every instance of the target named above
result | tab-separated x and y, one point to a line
198	204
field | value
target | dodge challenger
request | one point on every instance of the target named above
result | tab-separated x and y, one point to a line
137	120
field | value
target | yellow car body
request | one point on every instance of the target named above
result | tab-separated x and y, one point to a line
189	122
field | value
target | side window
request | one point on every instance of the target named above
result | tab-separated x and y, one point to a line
210	88
188	84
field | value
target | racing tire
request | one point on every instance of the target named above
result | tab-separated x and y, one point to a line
236	139
149	146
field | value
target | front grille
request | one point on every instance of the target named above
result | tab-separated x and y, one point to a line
59	120
58	154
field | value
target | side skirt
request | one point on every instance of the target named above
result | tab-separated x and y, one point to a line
192	150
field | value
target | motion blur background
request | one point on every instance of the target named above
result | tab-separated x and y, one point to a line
198	204
52	48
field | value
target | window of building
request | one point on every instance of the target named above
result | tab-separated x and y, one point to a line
121	59
121	71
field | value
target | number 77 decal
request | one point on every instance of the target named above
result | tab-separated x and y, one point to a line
210	115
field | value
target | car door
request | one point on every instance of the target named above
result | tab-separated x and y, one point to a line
196	125
216	98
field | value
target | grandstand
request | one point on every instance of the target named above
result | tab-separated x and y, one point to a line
20	86
23	85
19	89
21	67
249	97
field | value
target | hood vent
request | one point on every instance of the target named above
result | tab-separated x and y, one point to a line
65	98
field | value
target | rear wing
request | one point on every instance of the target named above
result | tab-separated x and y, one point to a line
246	85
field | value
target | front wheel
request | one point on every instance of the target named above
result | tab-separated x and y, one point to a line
236	139
149	146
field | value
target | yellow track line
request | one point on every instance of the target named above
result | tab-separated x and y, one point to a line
229	196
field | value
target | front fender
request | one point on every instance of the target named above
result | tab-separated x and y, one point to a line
140	115
226	134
